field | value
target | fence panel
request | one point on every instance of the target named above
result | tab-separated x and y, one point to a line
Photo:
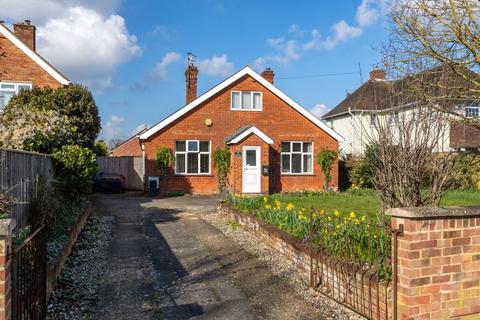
18	172
130	167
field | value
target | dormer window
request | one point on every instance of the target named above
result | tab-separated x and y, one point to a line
246	100
472	112
9	89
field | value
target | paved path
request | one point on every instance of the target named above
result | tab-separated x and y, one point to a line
165	262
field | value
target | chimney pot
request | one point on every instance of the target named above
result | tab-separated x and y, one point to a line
26	32
377	74
269	75
191	75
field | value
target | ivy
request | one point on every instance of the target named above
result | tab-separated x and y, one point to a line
221	157
326	158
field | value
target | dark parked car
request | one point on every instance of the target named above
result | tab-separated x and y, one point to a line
108	182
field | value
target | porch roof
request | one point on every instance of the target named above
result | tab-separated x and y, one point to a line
245	131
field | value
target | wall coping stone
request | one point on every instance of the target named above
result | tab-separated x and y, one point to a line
7	226
434	212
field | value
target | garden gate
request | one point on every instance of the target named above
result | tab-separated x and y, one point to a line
29	277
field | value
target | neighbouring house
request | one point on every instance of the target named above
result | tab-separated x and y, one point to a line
355	117
273	140
21	67
130	147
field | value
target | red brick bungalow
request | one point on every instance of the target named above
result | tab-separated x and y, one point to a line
273	140
21	67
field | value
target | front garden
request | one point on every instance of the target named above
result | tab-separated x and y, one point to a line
346	224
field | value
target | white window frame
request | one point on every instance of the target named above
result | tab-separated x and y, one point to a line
472	108
186	152
372	119
241	100
15	90
297	152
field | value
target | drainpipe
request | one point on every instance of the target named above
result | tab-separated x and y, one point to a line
351	125
143	164
361	132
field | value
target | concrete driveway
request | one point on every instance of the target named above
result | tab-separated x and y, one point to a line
165	262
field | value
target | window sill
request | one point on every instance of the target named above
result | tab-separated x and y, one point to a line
247	110
193	175
298	174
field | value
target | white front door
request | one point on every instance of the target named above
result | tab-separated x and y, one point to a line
251	177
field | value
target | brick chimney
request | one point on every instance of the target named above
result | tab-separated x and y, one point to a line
268	75
25	32
377	74
191	82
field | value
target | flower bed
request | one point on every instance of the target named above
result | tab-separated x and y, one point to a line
339	234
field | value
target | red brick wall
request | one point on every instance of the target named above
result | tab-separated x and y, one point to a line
131	147
439	267
17	66
278	120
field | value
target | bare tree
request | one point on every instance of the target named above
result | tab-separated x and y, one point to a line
442	34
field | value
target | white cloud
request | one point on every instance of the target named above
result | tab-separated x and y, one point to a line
112	129
87	46
84	39
162	32
296	30
287	50
342	32
139	128
216	66
160	71
369	11
319	110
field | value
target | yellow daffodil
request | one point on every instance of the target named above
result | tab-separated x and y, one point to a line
336	213
352	215
268	206
364	217
265	199
290	206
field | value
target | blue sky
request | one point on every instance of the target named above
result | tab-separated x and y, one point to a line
132	53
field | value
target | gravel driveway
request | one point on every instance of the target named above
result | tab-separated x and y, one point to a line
166	261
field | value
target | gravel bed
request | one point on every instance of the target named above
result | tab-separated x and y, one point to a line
280	266
76	293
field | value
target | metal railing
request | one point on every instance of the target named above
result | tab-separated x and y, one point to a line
29	277
359	286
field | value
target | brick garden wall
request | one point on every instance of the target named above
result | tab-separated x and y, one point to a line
438	263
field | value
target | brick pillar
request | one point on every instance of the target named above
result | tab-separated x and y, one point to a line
438	262
6	232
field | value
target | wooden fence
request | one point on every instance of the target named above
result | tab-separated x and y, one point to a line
130	167
19	170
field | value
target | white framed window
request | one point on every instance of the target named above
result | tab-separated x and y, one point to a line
246	100
192	157
373	120
9	89
472	112
394	118
296	157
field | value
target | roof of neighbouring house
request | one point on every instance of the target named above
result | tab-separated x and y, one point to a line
227	82
381	95
136	135
44	64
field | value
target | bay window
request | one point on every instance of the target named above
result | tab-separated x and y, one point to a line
246	100
192	157
296	157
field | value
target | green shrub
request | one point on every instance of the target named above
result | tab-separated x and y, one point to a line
221	157
164	161
72	108
466	175
100	148
75	167
326	158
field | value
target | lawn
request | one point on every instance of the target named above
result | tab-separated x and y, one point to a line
365	201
